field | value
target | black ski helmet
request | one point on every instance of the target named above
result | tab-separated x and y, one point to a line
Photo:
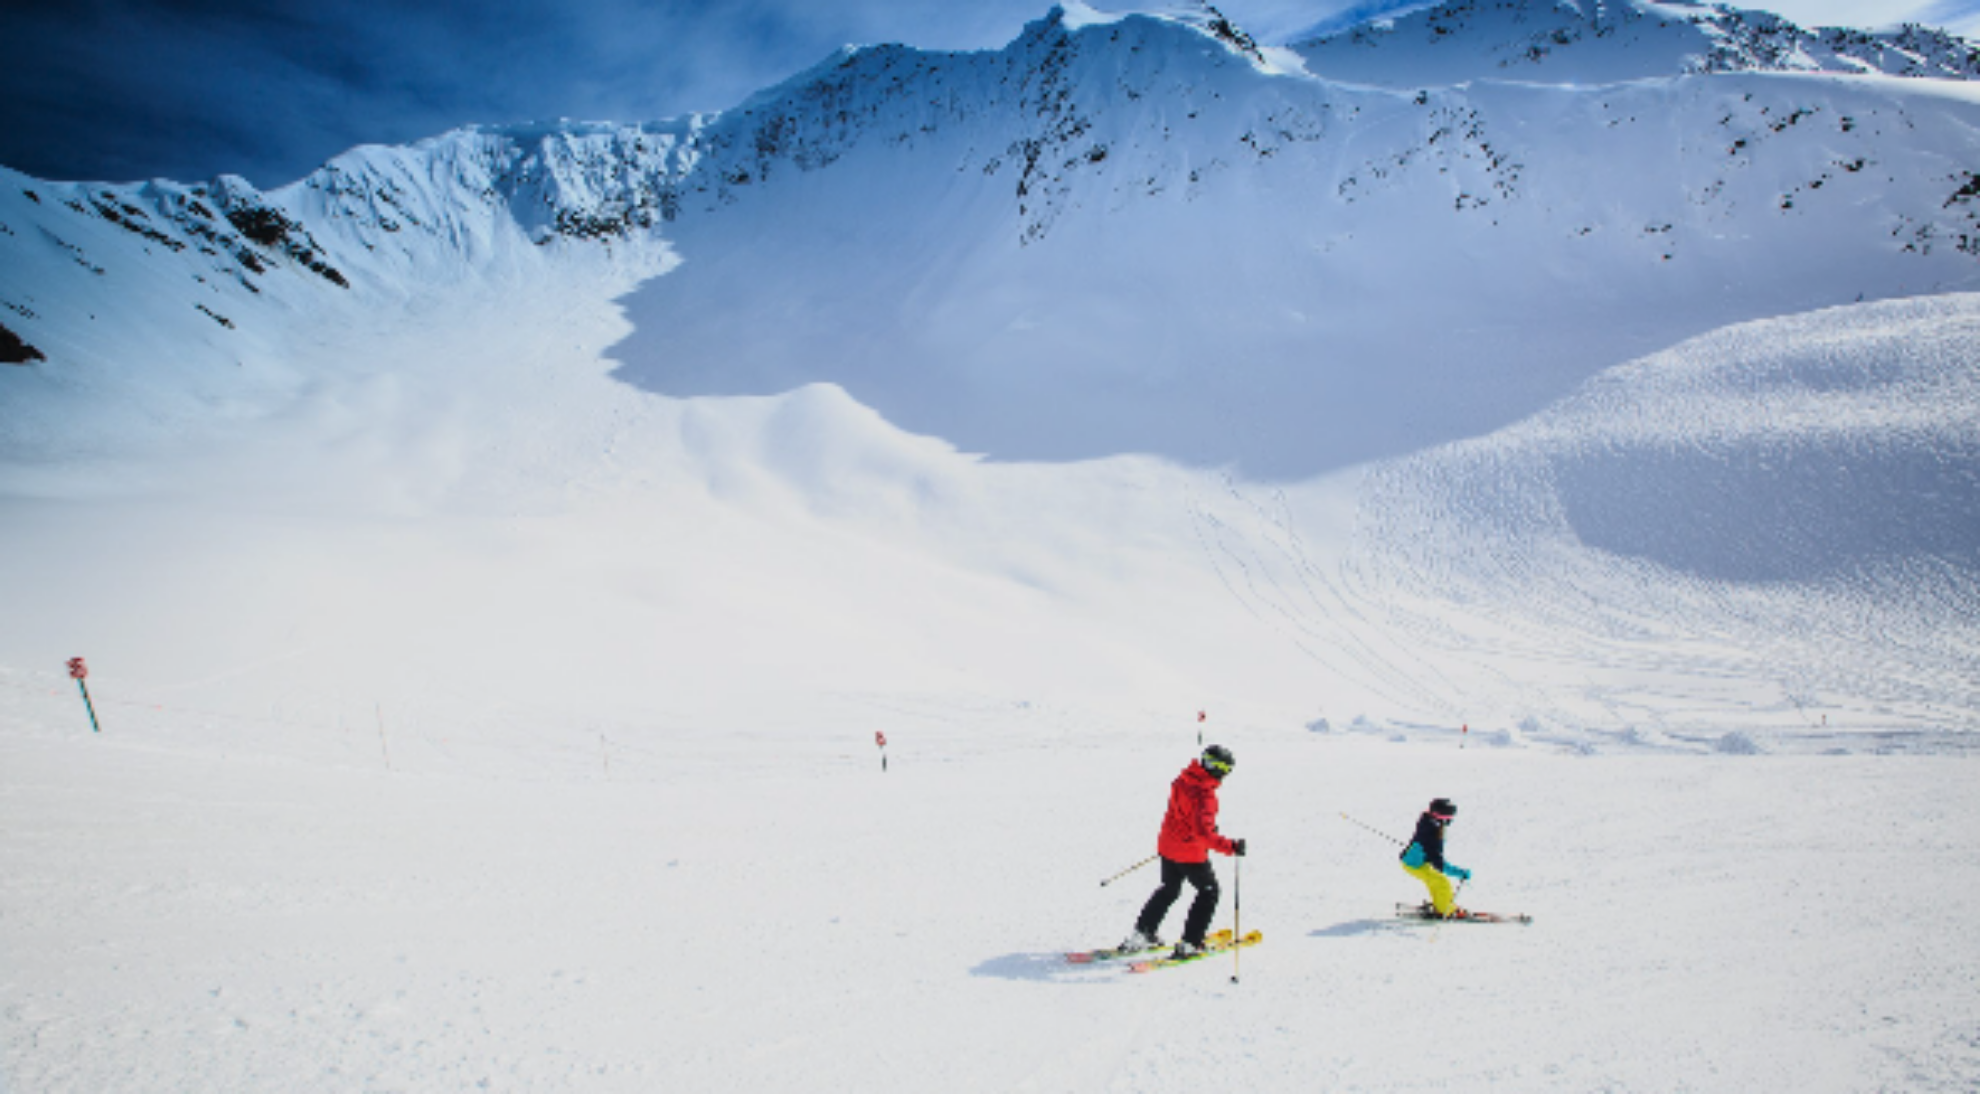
1443	809
1218	761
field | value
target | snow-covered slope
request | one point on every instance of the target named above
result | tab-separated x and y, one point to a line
1119	234
496	557
1298	276
768	911
1122	235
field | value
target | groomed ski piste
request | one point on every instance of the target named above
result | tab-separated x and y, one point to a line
474	718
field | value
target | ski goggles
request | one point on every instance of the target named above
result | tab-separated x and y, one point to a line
1216	767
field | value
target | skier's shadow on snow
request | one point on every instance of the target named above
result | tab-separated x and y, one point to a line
1045	968
1355	929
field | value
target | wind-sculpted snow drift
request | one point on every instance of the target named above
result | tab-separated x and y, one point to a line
1386	286
1804	492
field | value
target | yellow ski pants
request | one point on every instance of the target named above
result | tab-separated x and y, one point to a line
1439	886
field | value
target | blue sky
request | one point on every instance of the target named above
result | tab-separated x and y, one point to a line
117	90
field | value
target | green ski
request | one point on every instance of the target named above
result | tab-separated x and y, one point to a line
1215	947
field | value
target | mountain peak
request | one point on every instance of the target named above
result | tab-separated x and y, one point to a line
1199	15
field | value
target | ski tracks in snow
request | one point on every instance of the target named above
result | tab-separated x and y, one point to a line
1257	552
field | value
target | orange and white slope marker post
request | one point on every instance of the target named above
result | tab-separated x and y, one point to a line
79	672
880	739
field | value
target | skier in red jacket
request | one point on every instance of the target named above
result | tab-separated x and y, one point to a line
1189	834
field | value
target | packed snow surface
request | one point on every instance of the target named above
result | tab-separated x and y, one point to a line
769	911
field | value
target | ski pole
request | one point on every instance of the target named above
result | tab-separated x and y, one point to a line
1237	916
1132	869
1373	829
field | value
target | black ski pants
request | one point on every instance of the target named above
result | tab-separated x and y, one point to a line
1201	909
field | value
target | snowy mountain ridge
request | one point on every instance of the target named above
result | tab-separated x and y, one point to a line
1599	41
584	180
1093	111
589	180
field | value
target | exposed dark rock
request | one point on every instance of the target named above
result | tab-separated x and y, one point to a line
268	227
13	351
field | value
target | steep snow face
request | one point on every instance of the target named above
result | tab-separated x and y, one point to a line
1121	233
162	312
1609	41
154	309
1130	236
1124	233
1288	204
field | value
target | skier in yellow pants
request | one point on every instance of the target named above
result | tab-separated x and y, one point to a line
1423	859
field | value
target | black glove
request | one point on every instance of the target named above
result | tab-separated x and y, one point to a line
1238	847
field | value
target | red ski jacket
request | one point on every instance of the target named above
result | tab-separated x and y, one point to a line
1189	831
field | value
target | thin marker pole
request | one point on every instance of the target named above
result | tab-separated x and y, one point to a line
91	707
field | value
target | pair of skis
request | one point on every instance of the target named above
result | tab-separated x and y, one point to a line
1115	953
1461	915
1212	947
1221	942
1215	944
